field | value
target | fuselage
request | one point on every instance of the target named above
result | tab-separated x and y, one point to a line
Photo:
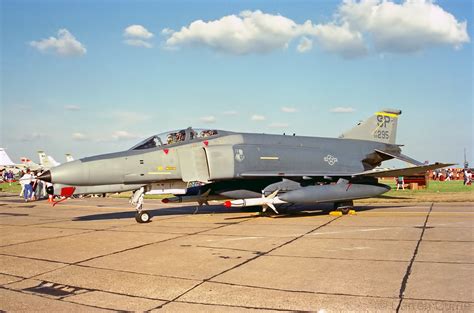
224	156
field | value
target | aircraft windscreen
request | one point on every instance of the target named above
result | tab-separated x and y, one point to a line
174	137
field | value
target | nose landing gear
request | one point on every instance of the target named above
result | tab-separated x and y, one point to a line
141	216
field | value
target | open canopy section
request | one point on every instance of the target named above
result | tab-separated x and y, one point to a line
174	137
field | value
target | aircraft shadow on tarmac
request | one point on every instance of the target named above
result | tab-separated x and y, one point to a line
285	212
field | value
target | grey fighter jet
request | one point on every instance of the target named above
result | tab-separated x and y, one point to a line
246	169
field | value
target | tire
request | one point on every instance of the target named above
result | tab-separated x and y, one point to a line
345	210
344	207
142	217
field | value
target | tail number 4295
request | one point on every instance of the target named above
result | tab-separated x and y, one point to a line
382	134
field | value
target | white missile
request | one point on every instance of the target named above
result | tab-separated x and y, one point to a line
265	202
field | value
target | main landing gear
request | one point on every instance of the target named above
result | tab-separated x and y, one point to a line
344	207
141	216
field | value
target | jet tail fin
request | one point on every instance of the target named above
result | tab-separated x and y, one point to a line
5	159
382	127
44	161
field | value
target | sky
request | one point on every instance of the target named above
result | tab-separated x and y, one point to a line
91	77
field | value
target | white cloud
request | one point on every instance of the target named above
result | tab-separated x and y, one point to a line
342	110
79	136
340	39
208	119
123	135
288	109
30	137
357	26
278	125
137	36
305	45
248	32
72	107
137	31
64	45
257	117
138	43
411	26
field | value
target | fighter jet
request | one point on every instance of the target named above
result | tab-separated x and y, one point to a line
247	169
7	163
47	161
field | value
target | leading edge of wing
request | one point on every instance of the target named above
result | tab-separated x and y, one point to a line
406	171
293	174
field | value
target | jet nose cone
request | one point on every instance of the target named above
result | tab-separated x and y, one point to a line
46	176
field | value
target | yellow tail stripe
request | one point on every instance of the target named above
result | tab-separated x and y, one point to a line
386	114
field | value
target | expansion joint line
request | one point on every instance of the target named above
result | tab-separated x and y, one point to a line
410	265
247	261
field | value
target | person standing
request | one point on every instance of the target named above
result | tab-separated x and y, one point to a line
400	183
38	188
10	177
26	180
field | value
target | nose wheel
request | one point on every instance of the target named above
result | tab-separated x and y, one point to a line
142	217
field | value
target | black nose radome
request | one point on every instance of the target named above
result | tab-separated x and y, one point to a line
46	176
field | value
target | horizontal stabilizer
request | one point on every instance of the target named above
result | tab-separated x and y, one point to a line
400	157
407	171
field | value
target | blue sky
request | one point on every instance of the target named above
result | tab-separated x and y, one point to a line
100	86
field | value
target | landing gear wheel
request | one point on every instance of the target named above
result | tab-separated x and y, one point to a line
345	210
344	207
142	217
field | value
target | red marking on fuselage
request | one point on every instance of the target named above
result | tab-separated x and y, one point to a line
67	191
206	143
166	151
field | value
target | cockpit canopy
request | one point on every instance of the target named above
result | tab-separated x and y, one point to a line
174	137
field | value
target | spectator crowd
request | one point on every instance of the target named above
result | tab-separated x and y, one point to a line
31	188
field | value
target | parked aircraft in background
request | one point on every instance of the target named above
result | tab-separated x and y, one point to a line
7	163
47	161
69	158
246	168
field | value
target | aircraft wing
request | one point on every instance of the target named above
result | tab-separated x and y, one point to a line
406	171
292	174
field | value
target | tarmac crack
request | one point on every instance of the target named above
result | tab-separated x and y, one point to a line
246	262
155	242
239	306
43	239
412	261
303	291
